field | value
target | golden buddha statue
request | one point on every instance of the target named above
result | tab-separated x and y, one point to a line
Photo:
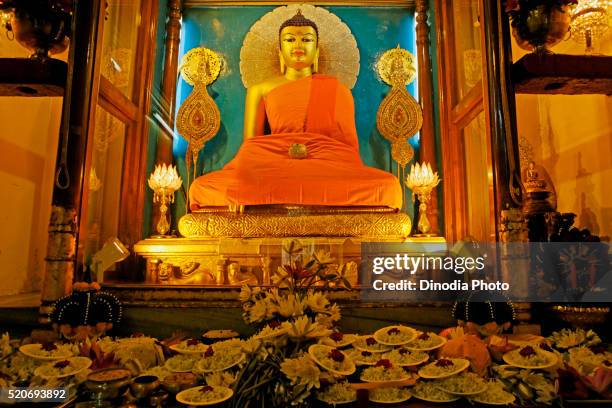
298	172
300	142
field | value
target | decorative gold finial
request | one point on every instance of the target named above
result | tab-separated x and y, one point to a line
396	67
200	65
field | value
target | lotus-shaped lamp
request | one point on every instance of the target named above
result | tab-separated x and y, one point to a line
165	178
422	180
164	181
422	177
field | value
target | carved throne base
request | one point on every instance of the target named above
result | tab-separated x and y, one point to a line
215	262
230	248
297	221
211	261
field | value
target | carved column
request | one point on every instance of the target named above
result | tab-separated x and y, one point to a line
221	271
502	109
66	202
266	263
510	224
514	251
170	75
428	142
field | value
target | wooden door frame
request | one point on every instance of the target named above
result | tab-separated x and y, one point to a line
132	111
133	187
453	118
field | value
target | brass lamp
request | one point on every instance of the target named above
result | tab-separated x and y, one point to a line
164	181
422	180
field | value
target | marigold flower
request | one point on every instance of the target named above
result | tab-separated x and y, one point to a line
317	301
302	371
303	327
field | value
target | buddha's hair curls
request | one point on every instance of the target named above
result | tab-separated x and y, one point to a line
299	21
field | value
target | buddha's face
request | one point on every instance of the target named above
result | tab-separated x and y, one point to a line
298	47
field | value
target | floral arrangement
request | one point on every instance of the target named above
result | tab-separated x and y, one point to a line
583	370
572	263
279	371
297	356
268	308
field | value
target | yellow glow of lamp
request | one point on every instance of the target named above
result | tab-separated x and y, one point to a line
590	22
164	181
5	19
422	180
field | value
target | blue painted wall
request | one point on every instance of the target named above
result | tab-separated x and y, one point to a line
223	29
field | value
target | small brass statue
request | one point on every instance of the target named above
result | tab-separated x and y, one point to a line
236	277
186	273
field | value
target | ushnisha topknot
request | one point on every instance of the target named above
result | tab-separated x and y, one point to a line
299	21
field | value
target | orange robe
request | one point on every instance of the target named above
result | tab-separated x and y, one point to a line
316	111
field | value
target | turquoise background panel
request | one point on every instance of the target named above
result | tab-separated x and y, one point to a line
376	29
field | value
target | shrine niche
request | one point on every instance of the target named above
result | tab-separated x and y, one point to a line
262	203
336	192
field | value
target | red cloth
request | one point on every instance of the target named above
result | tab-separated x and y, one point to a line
316	111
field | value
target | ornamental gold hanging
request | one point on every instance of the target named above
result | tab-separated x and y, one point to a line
399	116
198	118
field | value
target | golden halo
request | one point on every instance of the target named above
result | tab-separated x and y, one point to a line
396	67
200	65
338	52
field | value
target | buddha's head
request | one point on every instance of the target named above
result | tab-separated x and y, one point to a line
299	44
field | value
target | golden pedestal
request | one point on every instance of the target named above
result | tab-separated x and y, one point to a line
229	248
228	261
